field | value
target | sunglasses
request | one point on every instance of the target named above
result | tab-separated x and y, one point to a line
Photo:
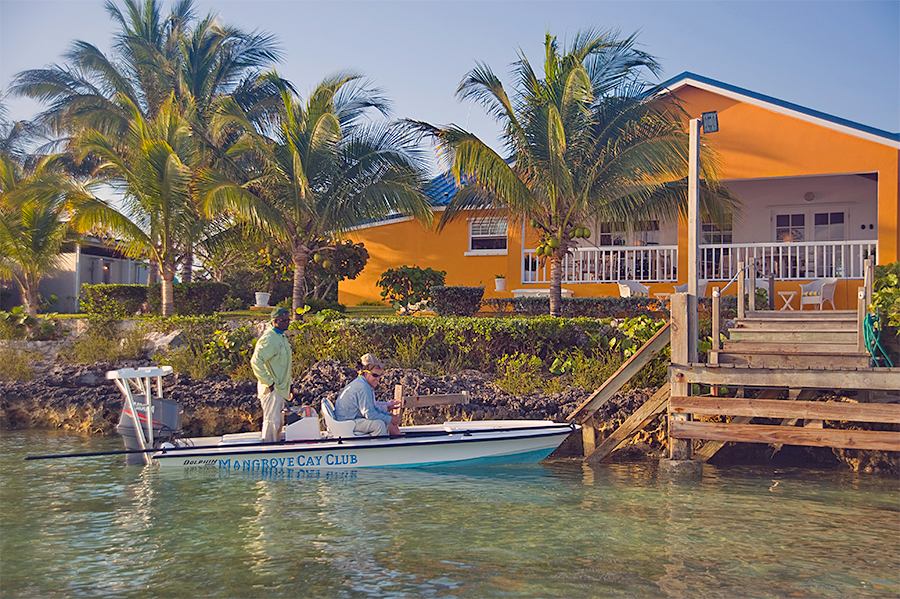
373	374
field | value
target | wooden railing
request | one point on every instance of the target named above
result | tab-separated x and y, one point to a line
607	265
788	261
659	263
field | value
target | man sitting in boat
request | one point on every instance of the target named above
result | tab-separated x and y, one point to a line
357	401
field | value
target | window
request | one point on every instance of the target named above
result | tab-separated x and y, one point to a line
487	236
828	226
713	234
790	228
612	233
646	232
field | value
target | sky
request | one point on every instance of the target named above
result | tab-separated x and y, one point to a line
840	58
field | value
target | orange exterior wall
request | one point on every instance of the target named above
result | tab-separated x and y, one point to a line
752	142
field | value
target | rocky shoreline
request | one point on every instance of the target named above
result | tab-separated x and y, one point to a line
79	398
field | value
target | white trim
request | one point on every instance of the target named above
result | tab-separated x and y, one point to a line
486	253
783	110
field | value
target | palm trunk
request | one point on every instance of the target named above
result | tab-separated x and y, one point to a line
168	289
300	257
556	282
30	296
153	272
187	269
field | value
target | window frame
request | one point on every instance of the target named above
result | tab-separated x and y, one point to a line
493	221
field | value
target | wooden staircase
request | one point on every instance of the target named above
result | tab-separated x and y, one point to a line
794	339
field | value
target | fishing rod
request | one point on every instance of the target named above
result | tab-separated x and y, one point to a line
339	440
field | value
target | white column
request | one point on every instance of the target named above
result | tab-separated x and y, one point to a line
693	237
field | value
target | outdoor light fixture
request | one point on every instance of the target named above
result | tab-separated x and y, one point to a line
710	122
809	196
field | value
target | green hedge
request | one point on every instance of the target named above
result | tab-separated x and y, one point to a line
113	300
456	301
573	307
191	299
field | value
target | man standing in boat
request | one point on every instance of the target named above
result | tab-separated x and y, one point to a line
271	363
357	401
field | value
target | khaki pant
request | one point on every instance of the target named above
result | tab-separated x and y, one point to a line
272	405
376	428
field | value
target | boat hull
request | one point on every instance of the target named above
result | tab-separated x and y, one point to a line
451	444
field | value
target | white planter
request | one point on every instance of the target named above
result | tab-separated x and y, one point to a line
499	284
262	299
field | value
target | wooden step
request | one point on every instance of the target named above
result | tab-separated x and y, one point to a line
805	314
794	360
825	336
796	324
790	347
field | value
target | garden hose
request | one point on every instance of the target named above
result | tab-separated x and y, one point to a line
872	336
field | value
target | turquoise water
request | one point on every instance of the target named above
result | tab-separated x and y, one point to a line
94	527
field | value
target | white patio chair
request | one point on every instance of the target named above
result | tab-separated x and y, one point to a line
701	288
336	428
629	288
817	292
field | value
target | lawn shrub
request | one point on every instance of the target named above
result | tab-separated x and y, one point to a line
15	365
203	298
118	301
456	301
574	307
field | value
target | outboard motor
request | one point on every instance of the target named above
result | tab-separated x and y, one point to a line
166	414
136	385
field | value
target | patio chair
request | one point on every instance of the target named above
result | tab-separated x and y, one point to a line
701	288
630	288
818	292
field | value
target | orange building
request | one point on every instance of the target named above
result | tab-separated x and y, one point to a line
819	193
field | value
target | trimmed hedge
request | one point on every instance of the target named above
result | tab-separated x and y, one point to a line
203	298
112	300
572	307
456	301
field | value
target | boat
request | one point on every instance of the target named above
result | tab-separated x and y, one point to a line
151	429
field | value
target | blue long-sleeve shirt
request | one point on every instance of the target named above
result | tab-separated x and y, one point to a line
357	400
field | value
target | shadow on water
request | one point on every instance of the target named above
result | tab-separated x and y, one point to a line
95	527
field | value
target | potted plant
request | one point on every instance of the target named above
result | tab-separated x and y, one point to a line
500	283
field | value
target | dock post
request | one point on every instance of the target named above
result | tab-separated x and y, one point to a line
679	461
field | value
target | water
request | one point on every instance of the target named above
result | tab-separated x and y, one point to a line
93	527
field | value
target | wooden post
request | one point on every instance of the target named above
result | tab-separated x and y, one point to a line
770	294
679	449
693	237
860	320
751	286
589	436
740	291
716	320
869	279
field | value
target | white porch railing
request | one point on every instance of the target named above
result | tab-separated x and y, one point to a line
607	265
659	263
788	261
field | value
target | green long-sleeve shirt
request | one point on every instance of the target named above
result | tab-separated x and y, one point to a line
271	361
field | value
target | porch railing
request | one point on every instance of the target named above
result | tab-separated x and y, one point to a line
788	261
659	263
607	265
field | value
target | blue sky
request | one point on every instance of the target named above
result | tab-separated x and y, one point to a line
841	58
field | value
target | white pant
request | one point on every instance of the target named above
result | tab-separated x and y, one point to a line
372	427
272	405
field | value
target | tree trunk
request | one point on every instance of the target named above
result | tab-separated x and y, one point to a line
556	282
300	257
187	269
153	272
30	295
168	289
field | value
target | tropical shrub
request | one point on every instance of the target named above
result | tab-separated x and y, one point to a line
105	341
18	325
118	301
409	286
886	293
520	374
191	299
229	352
457	301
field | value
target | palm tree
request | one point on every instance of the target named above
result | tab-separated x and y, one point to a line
157	58
587	141
322	171
152	167
38	203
